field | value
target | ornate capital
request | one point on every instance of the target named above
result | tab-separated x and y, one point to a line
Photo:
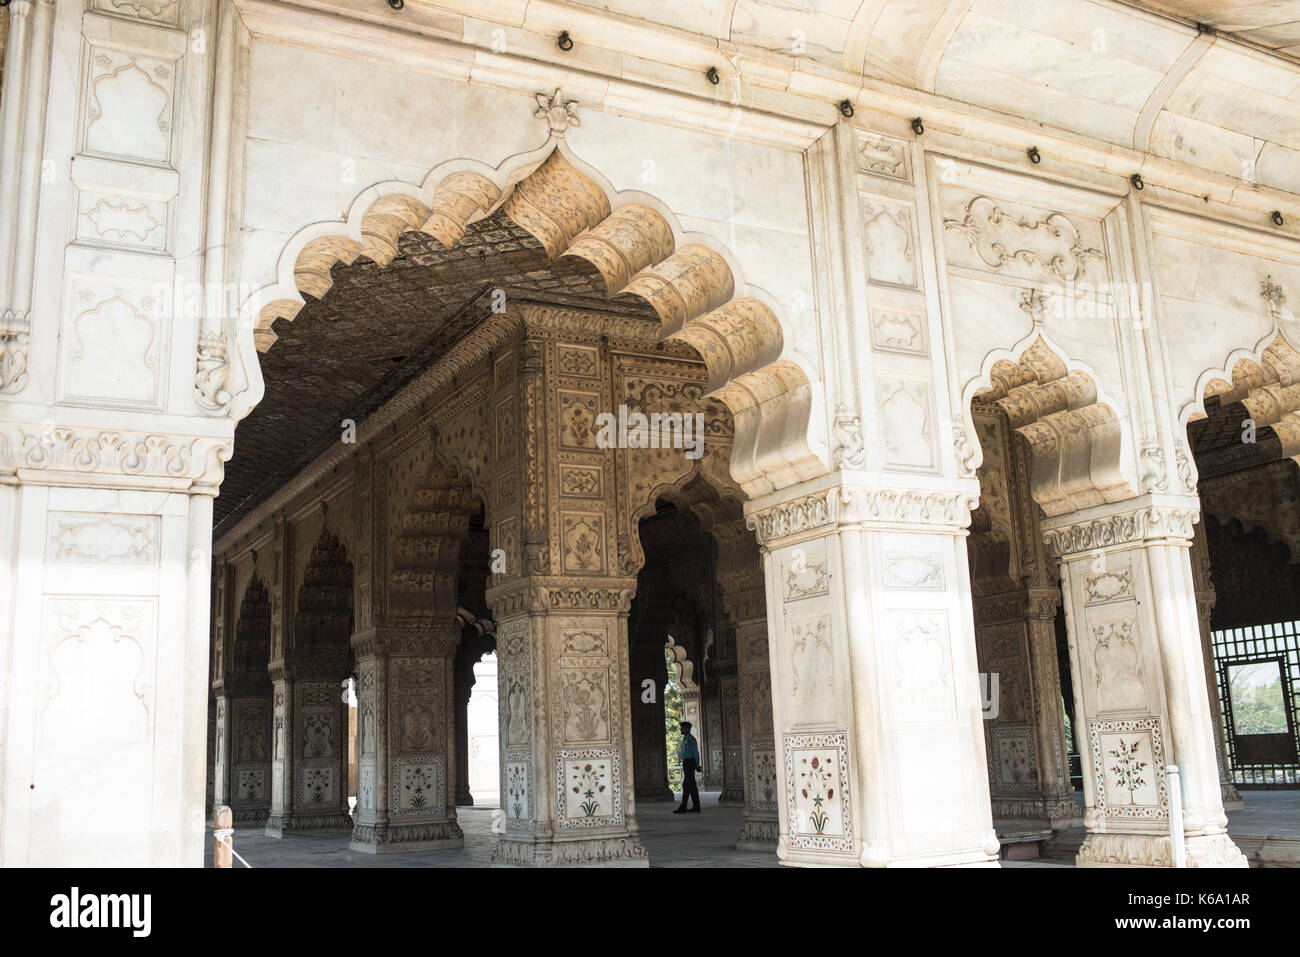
539	595
1069	535
152	461
945	510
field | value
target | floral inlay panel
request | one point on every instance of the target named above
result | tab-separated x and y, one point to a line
817	792
419	786
1128	767
589	788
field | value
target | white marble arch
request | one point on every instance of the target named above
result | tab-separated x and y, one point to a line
1106	468
772	390
1277	346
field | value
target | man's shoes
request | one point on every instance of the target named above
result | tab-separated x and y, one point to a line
681	810
693	810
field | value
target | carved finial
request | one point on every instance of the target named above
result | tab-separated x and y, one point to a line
558	112
1272	291
1034	302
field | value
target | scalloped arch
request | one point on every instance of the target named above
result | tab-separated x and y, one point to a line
1075	437
683	667
636	245
425	561
1266	380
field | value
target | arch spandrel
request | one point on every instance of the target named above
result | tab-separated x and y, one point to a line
635	245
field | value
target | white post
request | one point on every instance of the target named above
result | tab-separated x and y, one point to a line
1177	845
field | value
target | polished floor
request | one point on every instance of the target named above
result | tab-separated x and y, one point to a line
1268	824
707	839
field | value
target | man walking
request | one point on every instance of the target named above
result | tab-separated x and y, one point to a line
690	755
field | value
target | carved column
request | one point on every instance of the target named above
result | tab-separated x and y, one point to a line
561	609
406	661
463	688
650	757
1016	596
732	771
1029	776
244	696
711	740
282	752
1140	688
218	598
1205	599
562	649
308	668
875	696
407	729
744	600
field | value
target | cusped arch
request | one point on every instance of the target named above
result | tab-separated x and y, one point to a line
1075	437
636	245
323	619
698	492
683	667
1265	380
425	557
251	653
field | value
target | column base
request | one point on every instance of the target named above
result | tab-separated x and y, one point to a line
732	796
1151	850
280	825
758	835
656	793
587	852
1016	814
464	798
249	815
388	839
1230	796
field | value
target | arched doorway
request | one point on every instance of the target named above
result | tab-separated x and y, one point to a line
548	396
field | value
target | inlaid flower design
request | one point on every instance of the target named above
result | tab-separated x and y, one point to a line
816	779
588	782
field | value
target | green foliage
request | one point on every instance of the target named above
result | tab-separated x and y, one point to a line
1258	709
672	712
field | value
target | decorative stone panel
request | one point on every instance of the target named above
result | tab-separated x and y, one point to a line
819	814
589	788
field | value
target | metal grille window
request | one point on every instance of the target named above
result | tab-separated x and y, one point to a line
1258	672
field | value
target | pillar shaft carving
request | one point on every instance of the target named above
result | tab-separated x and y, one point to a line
650	759
408	772
311	620
868	589
1141	696
1016	597
744	601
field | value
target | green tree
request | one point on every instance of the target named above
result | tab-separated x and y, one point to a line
1257	709
672	712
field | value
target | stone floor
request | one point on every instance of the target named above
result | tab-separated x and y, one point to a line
1267	829
707	839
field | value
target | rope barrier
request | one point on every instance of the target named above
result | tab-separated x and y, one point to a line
224	836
